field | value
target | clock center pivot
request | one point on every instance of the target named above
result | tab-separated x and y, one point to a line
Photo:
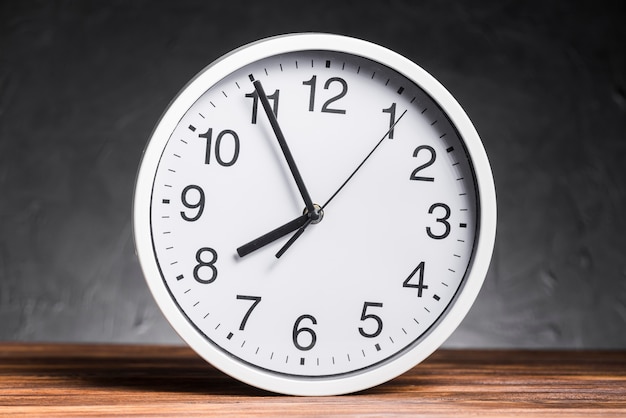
317	216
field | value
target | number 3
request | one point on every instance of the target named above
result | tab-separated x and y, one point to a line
443	220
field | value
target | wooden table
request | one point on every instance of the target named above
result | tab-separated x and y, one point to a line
93	380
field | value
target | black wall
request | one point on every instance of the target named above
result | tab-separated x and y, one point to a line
83	83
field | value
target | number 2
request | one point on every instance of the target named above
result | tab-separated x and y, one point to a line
428	163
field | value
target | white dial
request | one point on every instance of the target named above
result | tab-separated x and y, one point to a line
353	166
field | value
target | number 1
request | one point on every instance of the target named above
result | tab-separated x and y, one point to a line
392	118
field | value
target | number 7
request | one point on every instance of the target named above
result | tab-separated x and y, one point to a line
255	301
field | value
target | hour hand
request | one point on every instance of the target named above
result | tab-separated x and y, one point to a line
273	235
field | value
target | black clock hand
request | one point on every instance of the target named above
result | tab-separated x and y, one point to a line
273	235
293	238
306	224
285	148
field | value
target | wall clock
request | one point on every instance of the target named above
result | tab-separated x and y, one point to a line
314	214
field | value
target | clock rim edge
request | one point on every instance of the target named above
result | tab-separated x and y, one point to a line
451	317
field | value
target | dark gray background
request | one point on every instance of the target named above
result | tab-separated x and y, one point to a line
83	83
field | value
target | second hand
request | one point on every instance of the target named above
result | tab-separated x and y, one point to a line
303	227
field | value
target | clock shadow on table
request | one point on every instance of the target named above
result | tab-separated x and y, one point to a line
168	372
191	379
171	373
185	379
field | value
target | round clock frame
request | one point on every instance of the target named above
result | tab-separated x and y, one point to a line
350	380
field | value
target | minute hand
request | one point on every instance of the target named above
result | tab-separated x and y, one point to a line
285	148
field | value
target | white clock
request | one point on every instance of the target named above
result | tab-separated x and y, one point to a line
314	214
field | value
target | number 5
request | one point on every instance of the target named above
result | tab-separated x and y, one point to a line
365	316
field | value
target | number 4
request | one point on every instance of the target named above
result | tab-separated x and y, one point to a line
420	284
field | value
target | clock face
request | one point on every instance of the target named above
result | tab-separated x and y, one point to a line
372	276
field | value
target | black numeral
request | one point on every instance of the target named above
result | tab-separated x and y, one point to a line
210	265
420	286
443	220
184	197
298	331
255	301
311	83
208	135
428	163
343	92
255	103
376	318
392	118
326	106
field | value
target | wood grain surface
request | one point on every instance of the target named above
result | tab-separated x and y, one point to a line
115	380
